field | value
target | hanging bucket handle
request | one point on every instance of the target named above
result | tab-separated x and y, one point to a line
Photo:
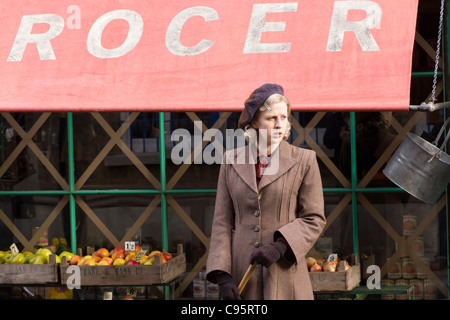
435	142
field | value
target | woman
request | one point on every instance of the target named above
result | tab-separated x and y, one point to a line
271	219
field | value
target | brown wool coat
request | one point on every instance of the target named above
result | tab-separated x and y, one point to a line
248	215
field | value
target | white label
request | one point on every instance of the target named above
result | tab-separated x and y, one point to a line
333	257
14	249
107	295
130	245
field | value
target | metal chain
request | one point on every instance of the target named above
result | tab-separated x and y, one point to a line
438	50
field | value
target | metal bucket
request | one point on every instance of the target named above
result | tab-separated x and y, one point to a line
420	167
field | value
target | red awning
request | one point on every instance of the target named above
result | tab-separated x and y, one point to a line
111	55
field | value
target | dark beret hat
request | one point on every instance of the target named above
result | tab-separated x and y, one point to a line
258	98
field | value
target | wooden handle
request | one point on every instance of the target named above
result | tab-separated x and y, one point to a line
247	275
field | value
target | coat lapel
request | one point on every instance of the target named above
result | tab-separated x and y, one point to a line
281	161
243	166
278	165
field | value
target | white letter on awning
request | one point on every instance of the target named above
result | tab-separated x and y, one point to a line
94	40
173	34
339	24
258	26
41	40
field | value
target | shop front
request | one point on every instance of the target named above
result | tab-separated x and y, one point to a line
100	101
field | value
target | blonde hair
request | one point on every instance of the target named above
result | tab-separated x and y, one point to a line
274	98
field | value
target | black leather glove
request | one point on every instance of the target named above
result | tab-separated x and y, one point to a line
227	287
269	253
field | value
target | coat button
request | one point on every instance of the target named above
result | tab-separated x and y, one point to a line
256	244
256	228
256	213
259	196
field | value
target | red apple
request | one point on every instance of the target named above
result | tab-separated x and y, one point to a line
102	252
130	256
119	262
166	255
118	255
75	259
137	248
163	259
115	250
108	260
131	262
89	262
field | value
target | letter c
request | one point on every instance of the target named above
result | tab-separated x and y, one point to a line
174	31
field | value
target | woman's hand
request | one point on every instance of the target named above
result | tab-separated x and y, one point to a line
227	287
269	253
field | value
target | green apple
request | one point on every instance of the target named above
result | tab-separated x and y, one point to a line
67	254
2	257
149	261
18	259
28	258
37	259
44	252
8	257
57	259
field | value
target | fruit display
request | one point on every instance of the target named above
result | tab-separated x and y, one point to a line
100	257
40	256
333	273
118	256
126	267
324	265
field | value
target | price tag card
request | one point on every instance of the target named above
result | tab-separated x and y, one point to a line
140	254
132	292
107	295
14	249
333	257
130	245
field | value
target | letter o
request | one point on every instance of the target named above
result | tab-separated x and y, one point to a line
136	28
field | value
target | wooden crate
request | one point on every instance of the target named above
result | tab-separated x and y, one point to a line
336	281
129	275
30	273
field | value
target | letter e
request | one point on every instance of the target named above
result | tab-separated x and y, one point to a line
258	26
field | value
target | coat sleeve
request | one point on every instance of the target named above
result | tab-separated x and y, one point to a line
303	232
219	256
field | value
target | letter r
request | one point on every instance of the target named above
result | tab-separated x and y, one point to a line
361	29
42	40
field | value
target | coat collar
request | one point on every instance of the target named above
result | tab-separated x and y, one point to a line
281	161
